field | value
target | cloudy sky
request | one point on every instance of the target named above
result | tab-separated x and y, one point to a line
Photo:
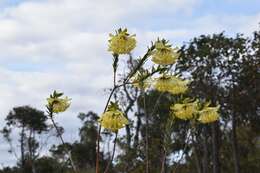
61	44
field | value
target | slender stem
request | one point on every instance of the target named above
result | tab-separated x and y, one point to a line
114	77
184	149
163	160
113	154
62	141
99	128
109	98
140	64
153	111
197	161
146	128
157	103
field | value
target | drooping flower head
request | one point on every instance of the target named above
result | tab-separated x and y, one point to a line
208	114
57	104
164	54
172	84
185	111
122	42
113	119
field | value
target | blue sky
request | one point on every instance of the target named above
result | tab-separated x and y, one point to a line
220	8
6	3
60	44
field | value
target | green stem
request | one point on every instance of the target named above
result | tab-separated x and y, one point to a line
99	128
163	160
63	142
113	154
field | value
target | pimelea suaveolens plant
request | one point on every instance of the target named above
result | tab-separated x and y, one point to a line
56	104
158	77
164	56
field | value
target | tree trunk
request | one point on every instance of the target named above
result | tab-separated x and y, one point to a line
215	148
146	137
33	155
128	136
30	148
22	148
205	163
235	145
197	160
138	126
163	161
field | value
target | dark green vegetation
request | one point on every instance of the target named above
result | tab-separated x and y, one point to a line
222	69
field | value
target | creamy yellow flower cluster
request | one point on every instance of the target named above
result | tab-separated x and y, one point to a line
164	83
171	84
164	54
191	110
56	104
121	42
185	111
208	114
113	119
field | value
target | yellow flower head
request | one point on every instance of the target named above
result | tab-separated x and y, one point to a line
172	84
208	114
113	119
185	111
57	104
121	42
164	54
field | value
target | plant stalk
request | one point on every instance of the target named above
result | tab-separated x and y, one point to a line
62	141
113	154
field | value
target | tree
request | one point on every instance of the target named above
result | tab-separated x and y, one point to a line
224	70
30	122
